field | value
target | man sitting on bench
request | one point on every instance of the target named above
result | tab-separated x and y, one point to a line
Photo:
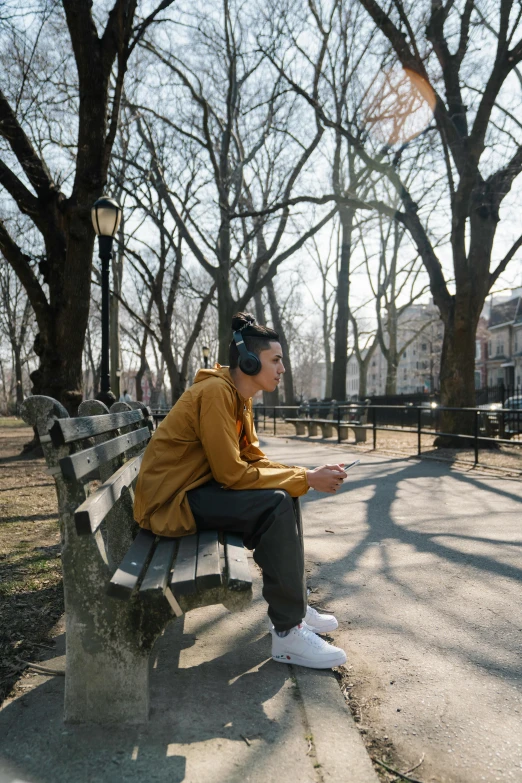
203	470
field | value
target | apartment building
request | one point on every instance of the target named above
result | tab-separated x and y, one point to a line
499	346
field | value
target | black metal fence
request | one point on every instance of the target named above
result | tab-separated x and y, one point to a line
499	394
480	426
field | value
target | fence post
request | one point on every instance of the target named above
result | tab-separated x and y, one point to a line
338	424
419	414
374	421
274	421
476	432
256	418
264	418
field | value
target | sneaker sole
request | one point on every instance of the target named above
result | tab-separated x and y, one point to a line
327	629
326	663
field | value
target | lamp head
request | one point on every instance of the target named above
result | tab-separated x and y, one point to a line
106	216
206	352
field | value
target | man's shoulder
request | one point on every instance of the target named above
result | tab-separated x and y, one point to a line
213	387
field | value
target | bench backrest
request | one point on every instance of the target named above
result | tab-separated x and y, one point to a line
95	457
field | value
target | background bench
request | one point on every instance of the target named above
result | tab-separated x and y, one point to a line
122	584
324	417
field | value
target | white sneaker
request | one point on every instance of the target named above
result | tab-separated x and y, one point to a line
315	621
304	648
320	623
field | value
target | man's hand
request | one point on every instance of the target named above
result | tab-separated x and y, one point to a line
326	478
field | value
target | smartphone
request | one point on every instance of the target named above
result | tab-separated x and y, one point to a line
351	465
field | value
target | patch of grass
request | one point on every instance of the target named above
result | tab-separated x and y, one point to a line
12	421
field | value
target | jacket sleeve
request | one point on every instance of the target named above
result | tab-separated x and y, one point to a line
217	431
253	454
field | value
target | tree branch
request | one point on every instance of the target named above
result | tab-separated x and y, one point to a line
20	264
493	277
34	168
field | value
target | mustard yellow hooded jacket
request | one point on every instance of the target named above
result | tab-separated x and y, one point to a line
209	433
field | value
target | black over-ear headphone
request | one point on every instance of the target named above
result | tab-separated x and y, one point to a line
249	363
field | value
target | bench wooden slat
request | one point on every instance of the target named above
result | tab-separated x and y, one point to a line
131	567
89	516
76	466
238	570
69	430
208	571
183	580
157	575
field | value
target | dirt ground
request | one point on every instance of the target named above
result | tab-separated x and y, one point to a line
31	595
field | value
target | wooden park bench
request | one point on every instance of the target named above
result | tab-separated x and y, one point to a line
328	425
122	584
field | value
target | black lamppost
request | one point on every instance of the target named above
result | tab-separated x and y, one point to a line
106	216
206	354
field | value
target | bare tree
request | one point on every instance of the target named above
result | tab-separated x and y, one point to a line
475	140
71	64
228	106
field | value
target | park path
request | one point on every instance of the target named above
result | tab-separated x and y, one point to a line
422	565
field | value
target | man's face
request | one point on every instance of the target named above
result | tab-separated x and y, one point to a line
272	368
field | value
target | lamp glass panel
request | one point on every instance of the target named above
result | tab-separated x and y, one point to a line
106	221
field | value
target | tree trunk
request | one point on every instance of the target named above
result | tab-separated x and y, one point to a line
17	351
340	363
288	378
391	374
457	372
269	398
226	309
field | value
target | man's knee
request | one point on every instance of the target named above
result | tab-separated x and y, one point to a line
283	500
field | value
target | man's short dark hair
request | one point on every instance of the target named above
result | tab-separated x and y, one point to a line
257	338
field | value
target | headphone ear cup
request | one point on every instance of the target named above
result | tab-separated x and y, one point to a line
250	364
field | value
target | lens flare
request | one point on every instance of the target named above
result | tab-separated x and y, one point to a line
399	106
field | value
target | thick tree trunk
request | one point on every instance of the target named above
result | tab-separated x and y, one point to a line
457	373
59	343
391	374
226	309
340	363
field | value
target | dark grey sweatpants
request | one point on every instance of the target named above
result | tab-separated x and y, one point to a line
271	525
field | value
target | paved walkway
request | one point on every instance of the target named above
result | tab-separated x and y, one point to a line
422	565
423	568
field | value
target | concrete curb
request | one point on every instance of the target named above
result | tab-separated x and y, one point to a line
338	745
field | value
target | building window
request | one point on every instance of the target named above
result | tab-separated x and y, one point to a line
490	348
424	347
477	350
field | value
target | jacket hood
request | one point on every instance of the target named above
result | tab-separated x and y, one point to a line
219	372
216	372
